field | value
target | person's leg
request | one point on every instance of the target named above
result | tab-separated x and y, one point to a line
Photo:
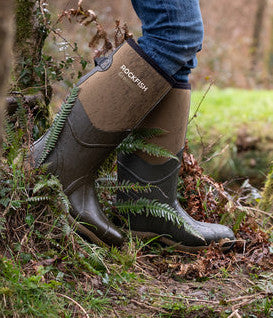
108	103
172	34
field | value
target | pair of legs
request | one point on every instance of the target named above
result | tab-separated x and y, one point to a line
136	85
172	35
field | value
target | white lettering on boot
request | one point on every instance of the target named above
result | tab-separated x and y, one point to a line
133	78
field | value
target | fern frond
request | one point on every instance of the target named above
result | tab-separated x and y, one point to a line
96	255
127	186
10	132
158	210
38	199
64	200
52	183
58	124
107	166
147	133
132	144
21	114
106	179
39	186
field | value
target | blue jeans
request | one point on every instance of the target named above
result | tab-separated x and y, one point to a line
172	34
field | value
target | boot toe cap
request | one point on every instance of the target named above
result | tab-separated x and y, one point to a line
218	233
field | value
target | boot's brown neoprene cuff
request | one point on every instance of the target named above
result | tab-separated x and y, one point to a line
171	115
125	87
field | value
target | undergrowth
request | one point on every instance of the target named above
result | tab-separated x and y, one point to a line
43	261
48	270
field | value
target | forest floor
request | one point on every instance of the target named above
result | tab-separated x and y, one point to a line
47	270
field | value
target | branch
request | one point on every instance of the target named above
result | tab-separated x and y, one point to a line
30	100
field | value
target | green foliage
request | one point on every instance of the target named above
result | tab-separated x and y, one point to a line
58	124
266	202
240	217
136	142
51	182
16	132
241	119
158	210
30	296
125	186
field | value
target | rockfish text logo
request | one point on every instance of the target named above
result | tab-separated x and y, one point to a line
133	77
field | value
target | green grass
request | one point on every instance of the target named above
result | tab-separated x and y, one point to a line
241	119
226	110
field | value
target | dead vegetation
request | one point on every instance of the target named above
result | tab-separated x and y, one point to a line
143	279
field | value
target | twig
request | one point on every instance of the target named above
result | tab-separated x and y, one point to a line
30	100
31	228
148	306
148	255
116	313
257	210
235	314
216	154
183	297
76	303
242	298
239	286
68	43
201	101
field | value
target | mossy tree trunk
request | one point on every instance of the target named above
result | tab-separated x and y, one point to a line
30	34
266	203
5	54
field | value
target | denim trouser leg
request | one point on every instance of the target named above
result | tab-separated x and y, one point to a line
172	34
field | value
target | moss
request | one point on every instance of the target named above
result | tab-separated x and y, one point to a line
23	17
267	196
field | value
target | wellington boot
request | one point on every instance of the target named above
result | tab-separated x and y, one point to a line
111	100
171	115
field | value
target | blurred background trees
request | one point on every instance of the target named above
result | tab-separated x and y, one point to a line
237	50
51	54
6	36
238	45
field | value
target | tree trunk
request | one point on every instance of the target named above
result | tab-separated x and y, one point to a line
5	54
257	31
30	36
270	53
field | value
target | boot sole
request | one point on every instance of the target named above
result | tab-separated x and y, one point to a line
179	246
84	231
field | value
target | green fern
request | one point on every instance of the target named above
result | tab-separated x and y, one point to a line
58	124
158	210
38	199
96	255
136	142
108	165
54	184
127	186
64	200
147	133
10	133
21	114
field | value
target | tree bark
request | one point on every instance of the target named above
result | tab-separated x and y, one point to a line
30	36
257	31
5	54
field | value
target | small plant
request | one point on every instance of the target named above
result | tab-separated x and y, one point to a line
58	124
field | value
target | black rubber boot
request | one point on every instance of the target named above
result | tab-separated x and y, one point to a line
111	100
172	116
